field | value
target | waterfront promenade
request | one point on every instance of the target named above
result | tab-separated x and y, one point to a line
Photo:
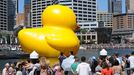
85	46
108	46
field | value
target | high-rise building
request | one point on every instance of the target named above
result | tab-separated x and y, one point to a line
105	17
37	7
12	12
85	9
20	19
123	25
27	12
115	6
130	6
3	15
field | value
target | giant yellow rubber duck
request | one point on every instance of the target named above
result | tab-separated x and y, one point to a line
57	34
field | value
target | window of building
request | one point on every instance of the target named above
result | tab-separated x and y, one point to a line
94	3
93	24
80	11
94	13
89	9
80	18
84	8
93	0
85	15
34	25
80	8
85	2
75	7
89	12
75	4
88	37
89	2
79	37
94	6
66	1
86	24
85	19
84	37
89	5
94	16
93	37
94	9
89	19
84	5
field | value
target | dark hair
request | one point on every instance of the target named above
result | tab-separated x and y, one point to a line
116	63
132	53
34	61
71	52
20	67
76	58
105	65
23	63
127	56
116	54
37	61
61	53
29	60
83	59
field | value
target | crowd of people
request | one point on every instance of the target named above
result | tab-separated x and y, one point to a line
73	65
110	45
9	47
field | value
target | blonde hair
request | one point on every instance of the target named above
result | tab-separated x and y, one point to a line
43	61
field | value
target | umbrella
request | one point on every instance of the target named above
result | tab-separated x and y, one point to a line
66	64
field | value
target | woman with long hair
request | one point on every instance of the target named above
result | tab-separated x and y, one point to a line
45	69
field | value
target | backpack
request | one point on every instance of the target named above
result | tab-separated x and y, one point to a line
37	71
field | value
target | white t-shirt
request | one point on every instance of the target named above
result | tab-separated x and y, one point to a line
83	69
4	71
131	60
19	73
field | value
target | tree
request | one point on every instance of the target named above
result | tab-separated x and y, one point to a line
83	30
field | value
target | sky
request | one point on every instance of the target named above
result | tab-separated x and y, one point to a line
21	6
102	5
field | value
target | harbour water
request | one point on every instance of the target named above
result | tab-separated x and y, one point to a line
88	53
95	52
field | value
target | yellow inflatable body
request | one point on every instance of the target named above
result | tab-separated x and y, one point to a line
55	36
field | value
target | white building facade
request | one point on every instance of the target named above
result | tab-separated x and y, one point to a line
85	10
105	17
90	34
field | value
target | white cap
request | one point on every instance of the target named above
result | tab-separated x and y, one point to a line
103	52
34	55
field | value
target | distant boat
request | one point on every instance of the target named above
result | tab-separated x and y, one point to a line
83	48
13	48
